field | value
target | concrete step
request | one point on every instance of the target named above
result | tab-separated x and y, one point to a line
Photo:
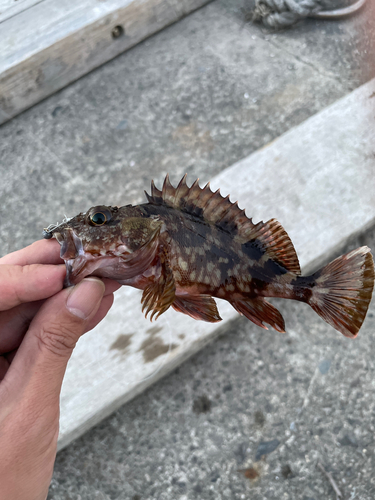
317	180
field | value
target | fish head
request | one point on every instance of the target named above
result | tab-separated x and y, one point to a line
111	242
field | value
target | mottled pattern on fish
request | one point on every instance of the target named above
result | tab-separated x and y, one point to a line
187	245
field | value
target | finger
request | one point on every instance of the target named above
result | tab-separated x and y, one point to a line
110	286
38	368
104	307
21	284
14	323
4	365
40	252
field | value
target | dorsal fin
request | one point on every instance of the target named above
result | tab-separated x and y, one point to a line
216	209
204	203
274	240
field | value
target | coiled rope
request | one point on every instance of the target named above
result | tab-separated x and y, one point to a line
279	14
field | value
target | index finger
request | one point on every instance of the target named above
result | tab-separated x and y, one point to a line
20	284
40	252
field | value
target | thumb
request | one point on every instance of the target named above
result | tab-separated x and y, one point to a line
38	368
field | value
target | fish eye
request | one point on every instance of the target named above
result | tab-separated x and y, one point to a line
98	219
98	216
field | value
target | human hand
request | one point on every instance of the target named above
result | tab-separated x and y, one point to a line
40	323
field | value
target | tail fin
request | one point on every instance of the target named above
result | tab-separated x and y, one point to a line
342	291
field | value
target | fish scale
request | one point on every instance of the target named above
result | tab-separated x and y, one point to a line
190	244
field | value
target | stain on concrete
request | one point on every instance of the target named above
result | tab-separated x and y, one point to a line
348	441
202	404
154	330
122	343
286	471
153	347
250	473
259	418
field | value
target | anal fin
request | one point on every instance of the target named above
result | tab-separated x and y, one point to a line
259	311
202	307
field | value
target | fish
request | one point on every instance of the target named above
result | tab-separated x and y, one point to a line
187	245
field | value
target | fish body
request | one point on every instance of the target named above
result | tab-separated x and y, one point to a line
188	245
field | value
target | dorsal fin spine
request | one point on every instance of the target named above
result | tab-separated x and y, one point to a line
226	207
155	192
228	214
194	191
213	202
166	184
168	191
149	198
182	190
205	196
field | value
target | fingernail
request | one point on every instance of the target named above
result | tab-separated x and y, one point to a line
85	297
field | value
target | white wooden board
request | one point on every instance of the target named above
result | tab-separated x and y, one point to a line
10	8
47	44
318	180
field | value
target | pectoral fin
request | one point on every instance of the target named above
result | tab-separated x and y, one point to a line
159	295
201	307
259	311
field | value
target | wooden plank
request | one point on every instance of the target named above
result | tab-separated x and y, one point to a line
317	180
51	44
10	8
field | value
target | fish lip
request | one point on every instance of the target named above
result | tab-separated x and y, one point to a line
74	268
72	253
69	272
71	244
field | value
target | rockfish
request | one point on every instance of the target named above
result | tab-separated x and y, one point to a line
189	244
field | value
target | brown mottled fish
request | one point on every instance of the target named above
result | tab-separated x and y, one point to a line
188	245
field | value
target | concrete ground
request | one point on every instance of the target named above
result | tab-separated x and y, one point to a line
195	98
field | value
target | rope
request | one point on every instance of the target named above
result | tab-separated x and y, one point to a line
279	14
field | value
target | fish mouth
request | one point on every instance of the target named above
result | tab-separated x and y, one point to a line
87	265
78	261
82	261
119	263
